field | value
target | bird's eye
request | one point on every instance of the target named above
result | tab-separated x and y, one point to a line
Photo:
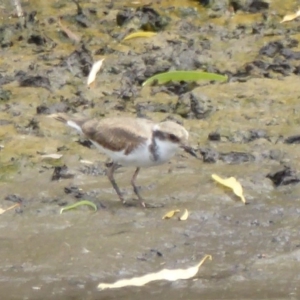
173	138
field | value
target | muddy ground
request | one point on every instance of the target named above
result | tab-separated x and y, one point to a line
247	127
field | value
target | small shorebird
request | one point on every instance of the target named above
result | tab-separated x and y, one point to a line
131	142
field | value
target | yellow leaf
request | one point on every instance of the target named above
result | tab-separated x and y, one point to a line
138	35
290	17
165	274
231	183
170	214
184	216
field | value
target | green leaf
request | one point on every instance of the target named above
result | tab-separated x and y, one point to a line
79	203
184	76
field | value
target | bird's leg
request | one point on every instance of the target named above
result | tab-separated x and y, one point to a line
110	174
135	188
136	191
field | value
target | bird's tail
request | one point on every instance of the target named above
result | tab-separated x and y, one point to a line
75	123
61	117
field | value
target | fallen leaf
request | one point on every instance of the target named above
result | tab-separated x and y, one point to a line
170	214
79	203
231	183
184	216
11	207
138	35
68	32
95	69
88	162
54	156
290	17
183	76
165	274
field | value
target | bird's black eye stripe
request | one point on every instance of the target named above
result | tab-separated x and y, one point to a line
173	138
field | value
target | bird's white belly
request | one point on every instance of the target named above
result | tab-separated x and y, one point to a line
141	156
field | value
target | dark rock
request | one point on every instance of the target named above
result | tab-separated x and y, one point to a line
236	157
14	198
124	16
79	62
214	136
193	105
35	81
283	176
85	143
37	40
201	105
150	20
271	49
209	155
74	191
294	139
61	172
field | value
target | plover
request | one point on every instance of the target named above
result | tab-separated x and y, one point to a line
133	142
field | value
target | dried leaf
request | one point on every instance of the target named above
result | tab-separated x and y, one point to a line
231	183
95	69
68	32
11	207
165	274
139	34
54	156
170	214
290	17
84	161
79	203
184	216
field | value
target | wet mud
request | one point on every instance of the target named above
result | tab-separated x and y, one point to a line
247	127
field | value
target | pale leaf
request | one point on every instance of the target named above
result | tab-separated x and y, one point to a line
71	35
165	274
231	183
11	207
53	156
139	34
184	216
95	69
290	17
84	161
170	214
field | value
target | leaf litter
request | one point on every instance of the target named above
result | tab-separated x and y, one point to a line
233	184
165	274
94	70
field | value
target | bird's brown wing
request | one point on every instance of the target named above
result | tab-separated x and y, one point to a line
118	134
